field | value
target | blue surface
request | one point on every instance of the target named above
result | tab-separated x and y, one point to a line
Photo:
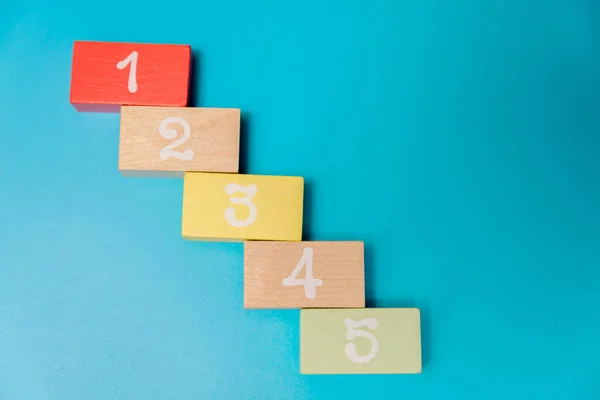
459	139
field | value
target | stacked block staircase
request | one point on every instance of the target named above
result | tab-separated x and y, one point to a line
160	136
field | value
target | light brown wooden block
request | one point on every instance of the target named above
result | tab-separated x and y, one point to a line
167	141
304	275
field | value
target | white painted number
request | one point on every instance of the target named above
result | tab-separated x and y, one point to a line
309	282
130	59
353	333
170	134
250	191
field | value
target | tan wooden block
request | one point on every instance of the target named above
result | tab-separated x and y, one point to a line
167	141
304	274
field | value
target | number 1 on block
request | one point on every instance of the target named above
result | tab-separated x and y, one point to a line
108	75
131	59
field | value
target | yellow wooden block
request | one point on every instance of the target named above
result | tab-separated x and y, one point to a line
304	274
242	207
167	141
360	341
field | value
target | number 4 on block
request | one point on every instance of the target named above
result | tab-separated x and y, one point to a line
304	274
242	207
107	75
360	341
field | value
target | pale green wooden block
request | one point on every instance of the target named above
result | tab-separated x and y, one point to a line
392	347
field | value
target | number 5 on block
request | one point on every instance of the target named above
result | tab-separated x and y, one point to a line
242	207
360	341
107	75
304	274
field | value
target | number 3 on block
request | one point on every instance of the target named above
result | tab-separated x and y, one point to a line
250	191
242	207
309	282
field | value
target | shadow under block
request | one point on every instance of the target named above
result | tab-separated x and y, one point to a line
360	341
107	75
304	274
167	141
242	207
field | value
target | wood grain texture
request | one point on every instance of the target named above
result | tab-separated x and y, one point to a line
97	84
242	207
360	341
338	265
213	142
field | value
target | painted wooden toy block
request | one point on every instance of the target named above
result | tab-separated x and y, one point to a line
167	141
360	341
304	274
107	75
242	207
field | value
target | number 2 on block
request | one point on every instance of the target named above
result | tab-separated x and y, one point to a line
353	332
309	282
130	59
170	134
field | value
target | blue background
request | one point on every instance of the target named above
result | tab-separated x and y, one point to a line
458	139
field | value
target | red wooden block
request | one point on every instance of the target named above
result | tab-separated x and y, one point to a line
107	75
